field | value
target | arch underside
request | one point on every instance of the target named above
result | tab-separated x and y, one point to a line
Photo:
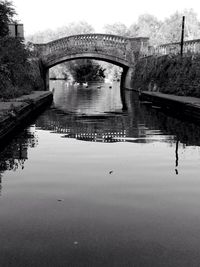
48	63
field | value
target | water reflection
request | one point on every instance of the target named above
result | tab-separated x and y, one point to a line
0	182
93	99
176	162
117	202
14	155
125	119
96	121
97	115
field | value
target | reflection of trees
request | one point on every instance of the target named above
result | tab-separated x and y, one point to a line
14	155
0	182
157	122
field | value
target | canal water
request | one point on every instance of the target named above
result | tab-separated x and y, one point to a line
101	179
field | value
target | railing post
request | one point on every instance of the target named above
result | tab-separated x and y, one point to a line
182	35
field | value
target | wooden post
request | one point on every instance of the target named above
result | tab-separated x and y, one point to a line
182	35
16	30
47	80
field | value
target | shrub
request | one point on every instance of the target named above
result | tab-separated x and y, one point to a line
18	75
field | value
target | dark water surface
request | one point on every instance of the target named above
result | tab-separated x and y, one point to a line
91	185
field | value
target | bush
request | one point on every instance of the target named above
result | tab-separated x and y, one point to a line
169	74
18	75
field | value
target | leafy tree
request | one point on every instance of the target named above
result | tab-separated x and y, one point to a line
117	28
81	27
73	28
6	16
170	31
17	74
86	70
146	26
166	31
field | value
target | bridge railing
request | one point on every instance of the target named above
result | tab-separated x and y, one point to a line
190	46
118	46
82	40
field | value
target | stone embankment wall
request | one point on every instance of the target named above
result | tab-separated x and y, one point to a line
168	74
16	112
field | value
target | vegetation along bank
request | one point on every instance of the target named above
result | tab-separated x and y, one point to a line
18	74
170	74
20	78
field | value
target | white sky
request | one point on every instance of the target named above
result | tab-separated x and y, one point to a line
38	15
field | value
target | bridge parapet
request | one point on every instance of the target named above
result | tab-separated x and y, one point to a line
123	50
117	50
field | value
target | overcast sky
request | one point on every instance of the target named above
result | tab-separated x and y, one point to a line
38	15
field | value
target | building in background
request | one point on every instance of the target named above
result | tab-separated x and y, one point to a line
16	30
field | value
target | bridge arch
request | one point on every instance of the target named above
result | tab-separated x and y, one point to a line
102	57
118	50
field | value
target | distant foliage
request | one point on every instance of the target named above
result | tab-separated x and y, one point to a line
87	70
170	30
159	32
147	26
117	28
81	27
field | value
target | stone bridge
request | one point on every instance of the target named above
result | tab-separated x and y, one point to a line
118	50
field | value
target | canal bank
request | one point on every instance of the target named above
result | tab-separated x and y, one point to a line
184	107
168	74
15	112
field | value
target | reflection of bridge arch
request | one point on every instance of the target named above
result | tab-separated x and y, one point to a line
107	128
114	49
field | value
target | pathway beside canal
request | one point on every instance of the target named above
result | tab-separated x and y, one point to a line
184	106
